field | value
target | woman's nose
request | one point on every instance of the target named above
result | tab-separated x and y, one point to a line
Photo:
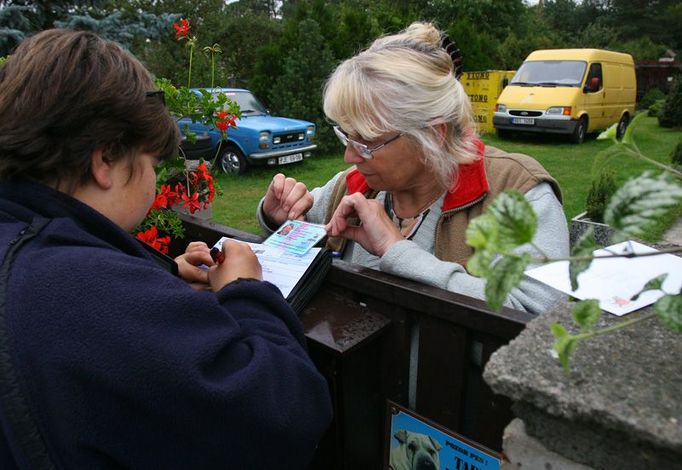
352	156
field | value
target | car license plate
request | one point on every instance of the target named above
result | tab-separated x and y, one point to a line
524	121
296	157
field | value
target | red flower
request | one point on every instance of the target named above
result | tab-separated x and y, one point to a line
165	198
225	120
151	238
191	202
182	29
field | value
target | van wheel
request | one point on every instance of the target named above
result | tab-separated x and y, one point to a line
580	130
502	133
622	126
232	160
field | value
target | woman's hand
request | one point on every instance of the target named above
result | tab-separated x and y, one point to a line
376	232
240	261
196	254
286	199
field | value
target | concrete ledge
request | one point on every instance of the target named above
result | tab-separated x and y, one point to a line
625	385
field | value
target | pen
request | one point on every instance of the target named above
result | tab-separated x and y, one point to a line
217	255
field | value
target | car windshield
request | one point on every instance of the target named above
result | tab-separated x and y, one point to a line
248	104
550	73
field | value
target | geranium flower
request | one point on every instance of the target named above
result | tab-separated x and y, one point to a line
165	197
192	203
151	238
182	29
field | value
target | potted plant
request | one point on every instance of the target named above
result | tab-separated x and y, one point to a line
603	187
186	184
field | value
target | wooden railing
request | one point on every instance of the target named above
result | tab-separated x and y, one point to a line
365	327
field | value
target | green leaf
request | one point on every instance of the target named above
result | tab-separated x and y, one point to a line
479	264
503	277
669	310
565	347
654	284
483	233
584	246
609	133
628	136
586	313
516	219
640	202
558	330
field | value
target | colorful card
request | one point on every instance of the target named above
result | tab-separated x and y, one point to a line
296	236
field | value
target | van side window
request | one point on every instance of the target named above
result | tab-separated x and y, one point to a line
594	80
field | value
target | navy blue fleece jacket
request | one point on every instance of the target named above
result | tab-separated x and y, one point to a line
122	365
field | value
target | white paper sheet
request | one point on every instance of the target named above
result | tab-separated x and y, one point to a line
280	267
614	281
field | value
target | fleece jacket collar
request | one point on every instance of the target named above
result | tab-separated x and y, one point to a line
469	185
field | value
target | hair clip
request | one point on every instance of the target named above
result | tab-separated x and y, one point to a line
455	53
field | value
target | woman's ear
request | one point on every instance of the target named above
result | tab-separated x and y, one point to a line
441	130
102	170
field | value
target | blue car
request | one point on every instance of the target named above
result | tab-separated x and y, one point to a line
259	138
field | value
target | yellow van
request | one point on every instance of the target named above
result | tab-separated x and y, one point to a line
568	91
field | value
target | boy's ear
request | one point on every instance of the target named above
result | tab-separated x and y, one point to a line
101	169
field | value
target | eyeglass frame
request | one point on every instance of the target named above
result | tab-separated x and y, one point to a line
157	93
363	150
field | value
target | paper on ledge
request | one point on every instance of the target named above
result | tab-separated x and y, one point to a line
282	268
614	281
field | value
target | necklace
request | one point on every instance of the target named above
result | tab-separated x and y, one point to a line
408	226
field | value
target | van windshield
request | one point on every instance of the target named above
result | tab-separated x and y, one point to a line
248	103
550	73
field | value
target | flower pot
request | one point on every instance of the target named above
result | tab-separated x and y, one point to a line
579	225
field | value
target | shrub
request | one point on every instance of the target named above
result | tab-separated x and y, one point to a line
656	108
651	96
676	156
671	115
598	197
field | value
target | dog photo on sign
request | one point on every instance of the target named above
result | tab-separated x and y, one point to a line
415	451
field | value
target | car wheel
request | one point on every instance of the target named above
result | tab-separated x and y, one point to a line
622	126
232	160
580	130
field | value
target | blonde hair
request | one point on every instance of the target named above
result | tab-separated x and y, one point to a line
406	83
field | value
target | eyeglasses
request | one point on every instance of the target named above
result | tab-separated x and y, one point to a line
160	93
363	150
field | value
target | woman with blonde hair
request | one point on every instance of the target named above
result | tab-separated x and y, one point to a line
419	173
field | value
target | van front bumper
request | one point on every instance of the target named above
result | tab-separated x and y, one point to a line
504	122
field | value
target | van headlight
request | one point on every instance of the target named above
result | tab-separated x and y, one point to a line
501	108
559	111
310	131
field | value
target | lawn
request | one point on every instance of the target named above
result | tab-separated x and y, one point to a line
570	164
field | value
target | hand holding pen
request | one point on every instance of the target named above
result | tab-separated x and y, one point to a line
235	260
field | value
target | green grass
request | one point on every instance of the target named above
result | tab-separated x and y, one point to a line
570	164
241	193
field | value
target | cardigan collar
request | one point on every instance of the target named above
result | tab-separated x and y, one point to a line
469	184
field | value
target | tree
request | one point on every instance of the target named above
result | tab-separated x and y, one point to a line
298	90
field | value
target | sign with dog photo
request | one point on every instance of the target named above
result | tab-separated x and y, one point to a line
416	443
